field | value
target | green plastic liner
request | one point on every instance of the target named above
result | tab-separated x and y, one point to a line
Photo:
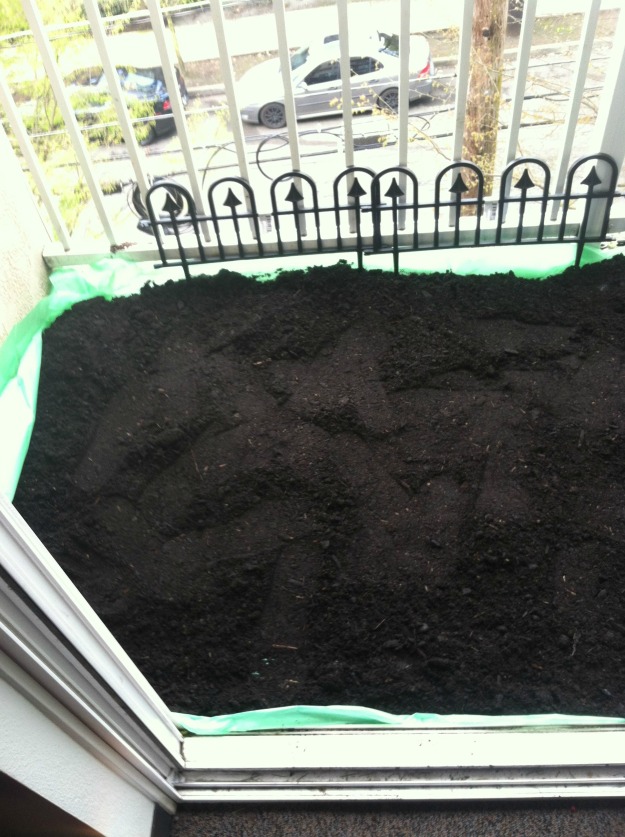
20	354
315	717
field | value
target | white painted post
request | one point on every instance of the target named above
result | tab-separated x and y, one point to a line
462	86
462	78
520	77
289	99
217	14
404	81
171	82
110	71
346	84
58	88
285	69
32	161
609	133
583	60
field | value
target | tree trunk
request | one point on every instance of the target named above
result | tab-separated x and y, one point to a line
484	95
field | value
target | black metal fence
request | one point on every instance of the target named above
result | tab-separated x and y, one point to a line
367	213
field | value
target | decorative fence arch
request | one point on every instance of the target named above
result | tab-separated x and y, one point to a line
382	213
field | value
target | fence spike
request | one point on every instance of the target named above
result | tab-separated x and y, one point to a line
524	182
394	190
458	186
356	190
294	195
592	179
171	205
231	200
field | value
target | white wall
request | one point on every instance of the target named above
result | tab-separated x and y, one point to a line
37	751
23	275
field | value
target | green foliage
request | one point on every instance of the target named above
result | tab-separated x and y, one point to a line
13	19
109	8
73	200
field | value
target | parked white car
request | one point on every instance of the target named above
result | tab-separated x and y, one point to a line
316	75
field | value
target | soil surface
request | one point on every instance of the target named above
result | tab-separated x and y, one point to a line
403	493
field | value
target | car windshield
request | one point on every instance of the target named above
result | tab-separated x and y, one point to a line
137	81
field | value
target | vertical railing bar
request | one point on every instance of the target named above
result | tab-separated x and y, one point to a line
353	200
480	211
394	210
404	101
404	81
504	192
156	226
171	82
346	84
289	97
285	67
32	161
316	213
583	60
99	36
251	200
463	72
225	61
376	213
566	201
581	239
520	77
276	214
214	217
462	78
58	88
519	229
181	250
609	134
520	80
544	202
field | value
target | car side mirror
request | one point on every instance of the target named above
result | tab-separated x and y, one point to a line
302	85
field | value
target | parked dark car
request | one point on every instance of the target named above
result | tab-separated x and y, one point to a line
88	89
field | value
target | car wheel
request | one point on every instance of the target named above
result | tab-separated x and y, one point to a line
272	115
185	98
389	100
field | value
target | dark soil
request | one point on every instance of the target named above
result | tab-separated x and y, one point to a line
347	488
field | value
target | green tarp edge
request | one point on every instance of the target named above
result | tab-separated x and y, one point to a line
311	717
20	354
20	360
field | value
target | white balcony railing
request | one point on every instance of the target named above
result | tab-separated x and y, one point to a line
561	100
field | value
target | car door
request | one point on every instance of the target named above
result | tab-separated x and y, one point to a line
365	80
319	92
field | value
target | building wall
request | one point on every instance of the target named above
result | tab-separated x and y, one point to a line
84	781
23	274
